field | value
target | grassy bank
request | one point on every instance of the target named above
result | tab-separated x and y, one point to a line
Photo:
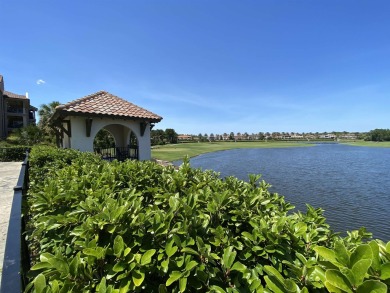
174	152
383	144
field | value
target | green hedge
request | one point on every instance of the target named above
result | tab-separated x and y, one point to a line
136	226
13	154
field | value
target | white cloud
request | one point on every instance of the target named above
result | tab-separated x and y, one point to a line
40	81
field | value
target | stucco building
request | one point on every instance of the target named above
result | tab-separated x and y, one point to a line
15	111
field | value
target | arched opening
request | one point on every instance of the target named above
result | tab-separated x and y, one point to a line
116	141
103	140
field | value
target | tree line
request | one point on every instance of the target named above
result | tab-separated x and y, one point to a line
44	133
160	137
378	135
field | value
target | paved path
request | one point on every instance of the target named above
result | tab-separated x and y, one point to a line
9	174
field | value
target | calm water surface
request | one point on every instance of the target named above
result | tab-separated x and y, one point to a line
351	183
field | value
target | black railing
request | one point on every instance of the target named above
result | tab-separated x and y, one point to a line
16	262
118	153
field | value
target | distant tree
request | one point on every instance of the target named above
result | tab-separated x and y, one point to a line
133	139
379	135
29	135
231	135
171	135
275	135
103	139
157	136
261	135
45	112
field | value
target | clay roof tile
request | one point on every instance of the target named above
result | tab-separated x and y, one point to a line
107	104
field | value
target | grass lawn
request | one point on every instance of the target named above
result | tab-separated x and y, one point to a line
173	152
383	144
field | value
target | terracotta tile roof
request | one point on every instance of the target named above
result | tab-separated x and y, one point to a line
13	96
105	104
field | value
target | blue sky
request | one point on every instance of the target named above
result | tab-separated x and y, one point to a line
208	66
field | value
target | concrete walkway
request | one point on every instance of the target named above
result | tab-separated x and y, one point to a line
9	174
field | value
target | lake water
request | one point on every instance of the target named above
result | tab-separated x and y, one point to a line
351	183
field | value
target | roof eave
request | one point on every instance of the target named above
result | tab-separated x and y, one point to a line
64	113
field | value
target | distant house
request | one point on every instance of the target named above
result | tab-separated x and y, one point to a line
184	137
327	136
15	111
78	122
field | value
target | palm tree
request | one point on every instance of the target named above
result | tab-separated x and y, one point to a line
45	112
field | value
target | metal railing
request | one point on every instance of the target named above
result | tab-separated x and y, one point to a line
16	262
118	153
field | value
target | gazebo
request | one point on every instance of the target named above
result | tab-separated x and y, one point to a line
77	123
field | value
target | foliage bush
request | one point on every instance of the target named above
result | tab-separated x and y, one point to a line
13	154
379	135
135	226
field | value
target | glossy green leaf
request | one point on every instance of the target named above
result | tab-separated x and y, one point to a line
190	265
147	256
327	254
336	279
388	247
229	255
332	288
347	273
55	288
363	251
217	289
290	286
60	265
376	263
371	286
341	253
300	229
360	269
102	286
248	235
255	285
126	251
274	272
41	265
237	266
124	285
189	250
170	249
385	271
274	284
173	277
118	246
40	283
137	277
119	267
182	284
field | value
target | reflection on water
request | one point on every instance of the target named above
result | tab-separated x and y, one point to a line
351	183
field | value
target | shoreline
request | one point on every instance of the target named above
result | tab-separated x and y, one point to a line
176	152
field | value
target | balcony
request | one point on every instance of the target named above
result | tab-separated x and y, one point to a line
15	110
